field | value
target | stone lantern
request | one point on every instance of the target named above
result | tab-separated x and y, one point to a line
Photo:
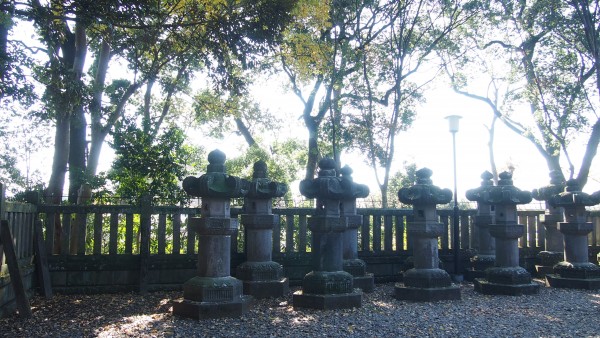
426	281
213	293
352	264
485	257
327	286
262	277
553	245
506	277
576	272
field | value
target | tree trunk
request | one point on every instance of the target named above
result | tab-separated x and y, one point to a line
3	45
56	184
384	195
243	129
59	162
590	152
146	120
78	124
491	133
96	108
99	132
313	148
77	150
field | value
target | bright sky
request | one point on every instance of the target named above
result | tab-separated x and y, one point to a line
428	143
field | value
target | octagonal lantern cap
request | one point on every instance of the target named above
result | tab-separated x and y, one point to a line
424	192
572	196
505	193
215	182
352	190
327	185
261	187
260	169
556	186
479	194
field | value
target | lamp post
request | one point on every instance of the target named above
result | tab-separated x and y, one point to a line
453	127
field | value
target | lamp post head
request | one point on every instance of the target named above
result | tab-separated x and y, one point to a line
453	122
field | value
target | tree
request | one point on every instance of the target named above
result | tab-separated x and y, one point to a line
401	179
148	165
587	17
160	42
220	113
320	50
387	89
532	55
284	162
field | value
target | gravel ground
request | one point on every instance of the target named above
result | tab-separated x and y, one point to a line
551	313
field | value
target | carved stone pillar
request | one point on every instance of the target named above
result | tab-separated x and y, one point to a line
213	293
327	286
506	277
486	251
262	277
576	271
553	244
426	281
352	264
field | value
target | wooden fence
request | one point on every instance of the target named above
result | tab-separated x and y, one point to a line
104	248
20	218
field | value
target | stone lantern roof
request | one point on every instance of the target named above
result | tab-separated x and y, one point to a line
572	196
480	194
505	193
261	187
326	185
557	185
424	192
351	189
215	182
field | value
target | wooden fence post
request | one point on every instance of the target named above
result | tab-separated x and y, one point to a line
145	219
2	216
41	262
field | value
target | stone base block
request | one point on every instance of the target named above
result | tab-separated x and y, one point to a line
206	310
482	262
259	271
327	302
470	275
355	267
577	270
550	258
426	278
488	288
267	289
212	289
542	270
327	282
557	281
402	292
366	283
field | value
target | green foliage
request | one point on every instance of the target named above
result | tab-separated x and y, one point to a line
20	144
220	113
284	162
401	179
143	165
